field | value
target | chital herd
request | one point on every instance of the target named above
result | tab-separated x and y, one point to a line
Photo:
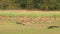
24	21
28	21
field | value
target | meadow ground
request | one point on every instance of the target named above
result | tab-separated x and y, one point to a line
10	27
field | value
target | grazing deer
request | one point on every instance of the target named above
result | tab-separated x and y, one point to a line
26	23
18	23
39	19
50	19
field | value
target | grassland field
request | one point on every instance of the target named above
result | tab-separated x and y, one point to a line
12	28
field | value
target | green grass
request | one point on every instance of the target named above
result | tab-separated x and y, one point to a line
17	29
13	28
30	14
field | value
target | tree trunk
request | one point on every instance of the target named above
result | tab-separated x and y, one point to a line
46	5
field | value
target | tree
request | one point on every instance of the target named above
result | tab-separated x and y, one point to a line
46	2
36	4
30	4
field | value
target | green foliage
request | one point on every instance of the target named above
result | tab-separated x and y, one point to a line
30	4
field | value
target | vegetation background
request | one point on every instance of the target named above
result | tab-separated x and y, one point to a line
30	4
